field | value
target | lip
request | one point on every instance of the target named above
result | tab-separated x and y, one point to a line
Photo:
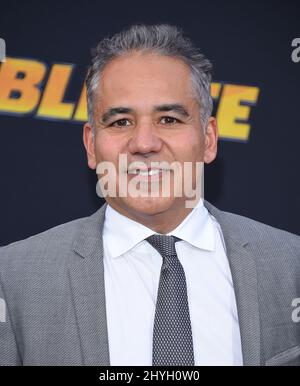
149	178
145	168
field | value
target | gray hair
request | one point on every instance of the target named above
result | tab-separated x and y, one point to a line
163	39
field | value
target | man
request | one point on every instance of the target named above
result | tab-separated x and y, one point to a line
150	280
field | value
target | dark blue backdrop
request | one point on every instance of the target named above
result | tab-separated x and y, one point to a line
45	180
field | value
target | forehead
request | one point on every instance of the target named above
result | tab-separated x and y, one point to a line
145	78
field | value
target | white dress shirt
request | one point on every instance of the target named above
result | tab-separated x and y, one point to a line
131	272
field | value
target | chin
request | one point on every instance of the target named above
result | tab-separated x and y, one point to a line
149	206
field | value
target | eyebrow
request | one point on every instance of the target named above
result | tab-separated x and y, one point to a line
175	107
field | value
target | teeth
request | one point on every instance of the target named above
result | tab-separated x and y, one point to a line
151	172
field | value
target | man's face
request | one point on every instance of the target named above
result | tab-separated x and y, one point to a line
148	128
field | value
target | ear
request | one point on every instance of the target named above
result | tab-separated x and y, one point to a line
211	140
88	140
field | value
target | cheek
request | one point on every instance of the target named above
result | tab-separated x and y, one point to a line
188	147
106	149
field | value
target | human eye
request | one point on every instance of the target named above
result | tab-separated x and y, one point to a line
120	123
169	120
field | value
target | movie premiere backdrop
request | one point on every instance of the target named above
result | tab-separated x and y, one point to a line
45	50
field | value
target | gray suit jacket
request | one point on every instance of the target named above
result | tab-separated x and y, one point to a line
53	296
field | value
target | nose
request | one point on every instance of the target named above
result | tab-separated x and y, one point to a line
144	140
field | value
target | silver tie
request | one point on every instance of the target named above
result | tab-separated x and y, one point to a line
172	332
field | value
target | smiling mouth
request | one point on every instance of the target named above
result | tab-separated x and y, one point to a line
146	172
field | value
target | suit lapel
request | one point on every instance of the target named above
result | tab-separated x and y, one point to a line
244	276
86	274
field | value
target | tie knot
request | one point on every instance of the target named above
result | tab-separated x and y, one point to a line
165	245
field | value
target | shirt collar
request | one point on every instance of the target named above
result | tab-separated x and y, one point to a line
120	233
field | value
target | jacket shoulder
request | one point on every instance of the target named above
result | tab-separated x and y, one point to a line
265	240
262	236
51	242
255	228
